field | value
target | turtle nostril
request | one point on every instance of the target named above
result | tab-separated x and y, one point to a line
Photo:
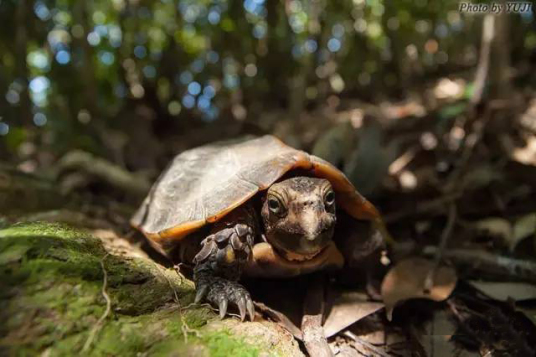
307	203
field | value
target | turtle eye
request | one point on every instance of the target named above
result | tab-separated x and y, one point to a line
274	205
329	199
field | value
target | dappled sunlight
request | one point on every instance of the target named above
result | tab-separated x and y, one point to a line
527	154
388	145
129	46
449	89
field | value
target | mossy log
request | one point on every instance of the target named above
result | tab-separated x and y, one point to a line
21	193
64	291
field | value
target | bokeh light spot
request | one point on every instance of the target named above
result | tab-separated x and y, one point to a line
214	16
12	97
42	11
334	44
230	81
38	59
188	101
107	58
259	30
337	30
203	103
250	70
174	107
4	129
186	77
63	57
209	91
39	84
311	45
198	65
149	71
140	51
93	38
194	88
39	119
213	57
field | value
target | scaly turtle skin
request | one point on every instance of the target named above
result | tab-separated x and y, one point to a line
256	207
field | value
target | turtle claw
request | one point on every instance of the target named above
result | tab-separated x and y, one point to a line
251	310
220	292
201	293
223	307
242	308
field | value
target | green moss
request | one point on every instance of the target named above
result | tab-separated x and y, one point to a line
222	344
51	282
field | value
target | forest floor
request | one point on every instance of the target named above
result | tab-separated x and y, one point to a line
456	185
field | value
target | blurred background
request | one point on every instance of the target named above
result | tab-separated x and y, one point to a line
395	95
430	111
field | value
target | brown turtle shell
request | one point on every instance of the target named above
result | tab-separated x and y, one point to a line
202	185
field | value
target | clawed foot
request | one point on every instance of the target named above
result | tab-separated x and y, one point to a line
219	292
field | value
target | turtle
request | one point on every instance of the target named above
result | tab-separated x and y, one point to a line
252	207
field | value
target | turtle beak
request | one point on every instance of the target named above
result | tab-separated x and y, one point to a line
311	224
316	225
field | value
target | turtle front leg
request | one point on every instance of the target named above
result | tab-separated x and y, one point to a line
219	263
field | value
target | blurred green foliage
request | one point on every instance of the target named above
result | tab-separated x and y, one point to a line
73	70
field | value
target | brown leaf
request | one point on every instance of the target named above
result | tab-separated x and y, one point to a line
348	308
406	281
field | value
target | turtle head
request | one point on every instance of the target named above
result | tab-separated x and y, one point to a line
299	216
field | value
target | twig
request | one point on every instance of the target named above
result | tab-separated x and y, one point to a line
472	139
177	268
399	164
106	171
314	337
99	323
445	235
455	181
185	328
366	344
488	263
488	29
281	319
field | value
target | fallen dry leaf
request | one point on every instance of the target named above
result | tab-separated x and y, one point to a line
496	227
348	308
436	337
406	281
530	314
523	228
505	290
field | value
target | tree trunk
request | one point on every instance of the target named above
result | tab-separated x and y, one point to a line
500	78
21	67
